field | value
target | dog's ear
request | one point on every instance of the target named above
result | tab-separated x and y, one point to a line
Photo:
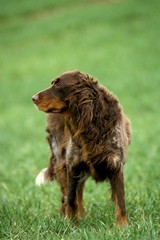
85	113
76	72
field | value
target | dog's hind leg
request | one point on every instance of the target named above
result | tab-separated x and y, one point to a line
118	195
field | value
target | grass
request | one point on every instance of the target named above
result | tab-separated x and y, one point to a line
118	43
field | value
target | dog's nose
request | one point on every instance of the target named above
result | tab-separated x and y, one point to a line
35	98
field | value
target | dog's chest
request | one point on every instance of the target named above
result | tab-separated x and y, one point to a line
61	148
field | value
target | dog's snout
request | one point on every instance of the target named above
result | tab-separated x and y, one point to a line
35	98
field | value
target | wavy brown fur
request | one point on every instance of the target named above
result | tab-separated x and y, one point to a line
94	134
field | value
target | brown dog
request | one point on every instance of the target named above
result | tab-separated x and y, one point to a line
88	134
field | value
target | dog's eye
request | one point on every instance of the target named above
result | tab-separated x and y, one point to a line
56	82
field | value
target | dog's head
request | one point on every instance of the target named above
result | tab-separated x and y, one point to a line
72	92
53	98
65	91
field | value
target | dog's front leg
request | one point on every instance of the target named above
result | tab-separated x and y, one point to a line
72	183
80	202
61	177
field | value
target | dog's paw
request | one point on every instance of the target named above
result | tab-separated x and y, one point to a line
40	179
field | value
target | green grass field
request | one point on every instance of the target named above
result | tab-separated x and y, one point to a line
118	42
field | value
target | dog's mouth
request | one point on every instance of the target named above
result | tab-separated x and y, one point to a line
54	110
50	110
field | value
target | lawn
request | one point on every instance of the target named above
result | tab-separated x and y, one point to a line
118	42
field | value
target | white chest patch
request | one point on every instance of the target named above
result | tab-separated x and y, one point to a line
69	149
55	147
